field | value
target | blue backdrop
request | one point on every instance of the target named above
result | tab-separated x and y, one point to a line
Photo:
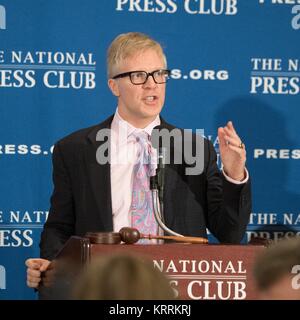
230	60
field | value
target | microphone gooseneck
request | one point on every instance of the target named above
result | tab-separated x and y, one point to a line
158	215
157	183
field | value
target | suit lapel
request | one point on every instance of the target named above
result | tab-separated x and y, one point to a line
99	176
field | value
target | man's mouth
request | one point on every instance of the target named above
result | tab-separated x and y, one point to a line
150	98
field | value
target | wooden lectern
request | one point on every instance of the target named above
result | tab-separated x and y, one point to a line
195	271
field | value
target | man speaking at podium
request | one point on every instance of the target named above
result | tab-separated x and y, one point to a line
89	196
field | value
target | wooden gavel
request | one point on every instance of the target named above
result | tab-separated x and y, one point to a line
132	235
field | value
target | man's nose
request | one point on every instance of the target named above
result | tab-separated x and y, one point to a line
150	83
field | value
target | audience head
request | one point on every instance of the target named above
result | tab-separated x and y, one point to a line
277	270
122	277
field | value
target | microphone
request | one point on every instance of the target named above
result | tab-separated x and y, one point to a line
157	183
161	165
157	143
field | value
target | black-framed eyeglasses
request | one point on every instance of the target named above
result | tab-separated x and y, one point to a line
141	77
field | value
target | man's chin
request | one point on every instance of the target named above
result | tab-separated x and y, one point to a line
152	110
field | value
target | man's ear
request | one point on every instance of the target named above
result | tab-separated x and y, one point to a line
113	86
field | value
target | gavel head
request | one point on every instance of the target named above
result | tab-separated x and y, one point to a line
129	235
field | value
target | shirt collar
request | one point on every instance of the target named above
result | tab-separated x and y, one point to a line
118	122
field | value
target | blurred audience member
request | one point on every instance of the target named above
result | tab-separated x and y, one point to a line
122	277
277	271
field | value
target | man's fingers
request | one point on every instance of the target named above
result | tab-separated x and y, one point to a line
233	141
33	279
34	263
221	134
231	127
37	264
33	273
44	265
34	269
240	151
230	133
232	137
227	136
31	284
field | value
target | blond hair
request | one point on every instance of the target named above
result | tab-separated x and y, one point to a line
127	45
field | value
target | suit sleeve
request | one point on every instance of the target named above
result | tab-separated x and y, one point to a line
229	205
60	223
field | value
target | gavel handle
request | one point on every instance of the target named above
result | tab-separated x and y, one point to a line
175	238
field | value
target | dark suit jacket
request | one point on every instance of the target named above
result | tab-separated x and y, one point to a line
81	200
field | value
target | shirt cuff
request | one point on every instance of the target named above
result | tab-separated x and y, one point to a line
236	181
